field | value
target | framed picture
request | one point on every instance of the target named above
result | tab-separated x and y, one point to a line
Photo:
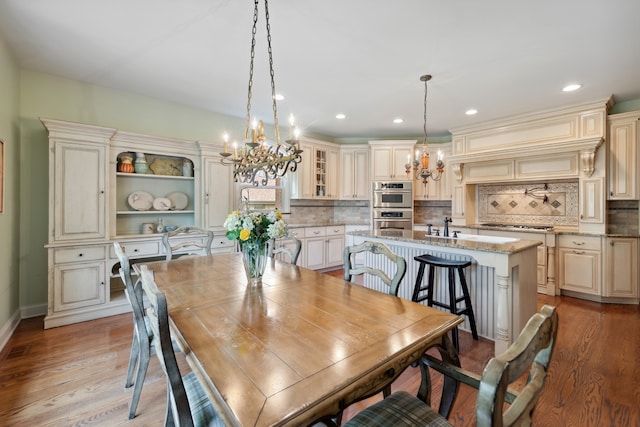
1	176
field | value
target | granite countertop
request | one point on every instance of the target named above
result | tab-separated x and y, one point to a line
419	237
555	230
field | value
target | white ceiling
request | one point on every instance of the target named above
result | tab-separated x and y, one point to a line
362	58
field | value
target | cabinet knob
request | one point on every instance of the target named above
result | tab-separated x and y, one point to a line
135	250
611	243
80	254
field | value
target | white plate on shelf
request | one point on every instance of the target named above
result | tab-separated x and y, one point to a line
179	200
161	204
140	200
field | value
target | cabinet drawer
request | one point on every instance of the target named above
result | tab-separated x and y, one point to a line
136	249
575	241
222	242
61	256
297	232
315	231
335	230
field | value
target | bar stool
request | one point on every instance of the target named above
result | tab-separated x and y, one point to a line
451	266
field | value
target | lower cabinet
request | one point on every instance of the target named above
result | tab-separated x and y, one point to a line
323	247
84	280
580	261
621	278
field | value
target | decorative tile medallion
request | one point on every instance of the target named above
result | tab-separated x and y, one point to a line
532	204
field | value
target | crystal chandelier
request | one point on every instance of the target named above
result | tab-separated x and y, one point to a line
257	161
420	164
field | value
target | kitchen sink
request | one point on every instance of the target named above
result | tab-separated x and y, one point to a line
486	239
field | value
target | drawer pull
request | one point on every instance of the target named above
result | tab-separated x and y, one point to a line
578	243
316	232
135	250
578	252
80	254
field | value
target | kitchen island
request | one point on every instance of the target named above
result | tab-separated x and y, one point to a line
501	279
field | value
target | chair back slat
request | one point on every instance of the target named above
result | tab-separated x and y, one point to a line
158	315
375	248
196	240
291	254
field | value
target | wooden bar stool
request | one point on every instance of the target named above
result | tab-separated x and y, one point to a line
451	266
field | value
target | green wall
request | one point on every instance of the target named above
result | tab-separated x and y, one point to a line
9	219
47	96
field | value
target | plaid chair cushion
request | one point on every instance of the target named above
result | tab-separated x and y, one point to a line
399	409
202	411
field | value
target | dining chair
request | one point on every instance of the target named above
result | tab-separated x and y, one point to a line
142	335
375	248
292	253
497	404
189	239
187	403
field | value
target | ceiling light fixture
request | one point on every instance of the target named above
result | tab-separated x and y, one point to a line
398	120
571	87
421	170
471	112
340	116
257	162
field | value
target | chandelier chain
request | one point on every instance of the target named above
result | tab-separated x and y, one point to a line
253	54
425	110
272	74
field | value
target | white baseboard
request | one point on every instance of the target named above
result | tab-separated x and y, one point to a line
7	329
33	311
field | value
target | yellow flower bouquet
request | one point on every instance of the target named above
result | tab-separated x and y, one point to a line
254	230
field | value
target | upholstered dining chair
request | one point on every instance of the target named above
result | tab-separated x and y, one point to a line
290	246
187	402
189	239
496	405
142	335
375	248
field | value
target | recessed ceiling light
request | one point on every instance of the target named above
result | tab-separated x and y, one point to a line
340	116
471	112
279	97
398	120
571	87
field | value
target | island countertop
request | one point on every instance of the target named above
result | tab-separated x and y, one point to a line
477	243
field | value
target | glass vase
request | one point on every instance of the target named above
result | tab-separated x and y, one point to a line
254	259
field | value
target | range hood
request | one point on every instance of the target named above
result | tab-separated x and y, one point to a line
554	144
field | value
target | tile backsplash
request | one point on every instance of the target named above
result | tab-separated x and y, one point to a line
534	203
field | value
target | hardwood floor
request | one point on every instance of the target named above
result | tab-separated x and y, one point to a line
74	375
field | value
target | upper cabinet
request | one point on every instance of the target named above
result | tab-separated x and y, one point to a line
388	160
622	173
317	174
354	180
78	183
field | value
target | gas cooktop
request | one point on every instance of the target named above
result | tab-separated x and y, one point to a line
519	226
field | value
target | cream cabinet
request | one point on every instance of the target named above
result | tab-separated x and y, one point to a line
323	247
580	263
355	183
592	201
78	184
622	172
621	267
217	194
96	198
388	160
316	176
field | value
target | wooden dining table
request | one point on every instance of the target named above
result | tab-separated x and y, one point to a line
299	347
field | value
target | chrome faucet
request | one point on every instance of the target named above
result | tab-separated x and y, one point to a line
446	226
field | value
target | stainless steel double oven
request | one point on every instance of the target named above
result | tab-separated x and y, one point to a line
392	205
